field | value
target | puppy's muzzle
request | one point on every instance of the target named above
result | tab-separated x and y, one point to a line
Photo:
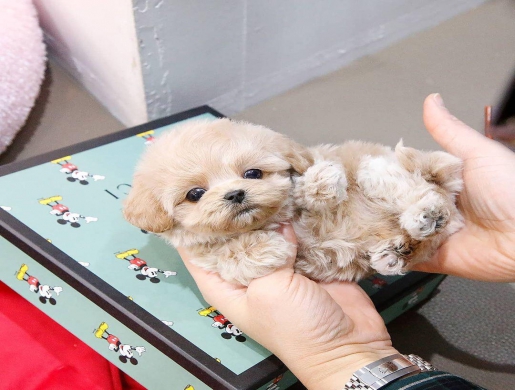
236	196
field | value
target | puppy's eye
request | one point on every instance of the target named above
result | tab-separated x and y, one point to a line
195	194
253	174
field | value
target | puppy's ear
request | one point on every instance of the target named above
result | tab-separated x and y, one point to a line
142	209
440	168
297	155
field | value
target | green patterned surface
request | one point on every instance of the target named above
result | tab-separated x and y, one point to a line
80	213
96	242
81	317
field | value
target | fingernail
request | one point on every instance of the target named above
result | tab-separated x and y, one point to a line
438	100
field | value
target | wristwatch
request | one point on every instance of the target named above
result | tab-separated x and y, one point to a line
386	370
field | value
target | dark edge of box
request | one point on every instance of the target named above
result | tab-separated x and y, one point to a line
105	139
166	340
392	291
422	282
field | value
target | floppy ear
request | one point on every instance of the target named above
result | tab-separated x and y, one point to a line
142	209
297	155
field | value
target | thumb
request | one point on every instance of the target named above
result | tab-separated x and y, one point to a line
287	231
451	134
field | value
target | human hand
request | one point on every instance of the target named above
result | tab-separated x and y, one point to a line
485	248
322	332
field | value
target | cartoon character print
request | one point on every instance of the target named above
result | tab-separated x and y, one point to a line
63	211
414	298
138	264
274	385
221	322
126	351
44	290
73	172
377	282
148	136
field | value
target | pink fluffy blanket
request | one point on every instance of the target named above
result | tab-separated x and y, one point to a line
22	65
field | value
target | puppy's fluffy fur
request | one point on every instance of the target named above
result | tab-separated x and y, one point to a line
357	208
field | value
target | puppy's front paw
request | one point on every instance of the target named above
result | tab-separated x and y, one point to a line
253	255
428	216
323	185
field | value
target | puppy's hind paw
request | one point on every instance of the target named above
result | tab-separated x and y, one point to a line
387	262
323	185
426	217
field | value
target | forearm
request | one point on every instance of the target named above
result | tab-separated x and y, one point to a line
333	369
336	374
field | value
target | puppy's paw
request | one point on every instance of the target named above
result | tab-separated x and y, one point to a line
428	216
393	256
323	185
253	255
387	262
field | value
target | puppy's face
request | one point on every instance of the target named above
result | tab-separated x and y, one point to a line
213	178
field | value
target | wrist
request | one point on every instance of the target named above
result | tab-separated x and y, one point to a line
332	369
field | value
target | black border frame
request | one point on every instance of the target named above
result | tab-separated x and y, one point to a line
170	343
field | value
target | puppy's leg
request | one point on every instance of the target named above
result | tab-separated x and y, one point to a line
428	216
252	255
322	186
382	178
424	209
441	168
391	257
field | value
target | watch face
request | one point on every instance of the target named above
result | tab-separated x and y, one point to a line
387	368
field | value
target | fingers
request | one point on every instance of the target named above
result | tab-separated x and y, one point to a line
453	135
358	310
348	294
214	289
281	278
287	231
289	234
218	292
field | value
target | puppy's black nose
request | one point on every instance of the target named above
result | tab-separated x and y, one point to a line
236	196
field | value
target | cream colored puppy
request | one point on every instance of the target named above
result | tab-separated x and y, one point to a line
221	188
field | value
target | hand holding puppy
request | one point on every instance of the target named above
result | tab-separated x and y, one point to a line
485	248
322	332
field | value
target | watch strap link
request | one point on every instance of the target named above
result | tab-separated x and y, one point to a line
383	371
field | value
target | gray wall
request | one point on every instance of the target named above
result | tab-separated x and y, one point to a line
234	53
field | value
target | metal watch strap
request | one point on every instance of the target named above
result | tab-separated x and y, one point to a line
386	370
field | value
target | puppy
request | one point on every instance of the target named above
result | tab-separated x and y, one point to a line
364	208
221	188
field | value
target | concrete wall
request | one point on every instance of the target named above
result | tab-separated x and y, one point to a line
235	53
95	41
230	54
